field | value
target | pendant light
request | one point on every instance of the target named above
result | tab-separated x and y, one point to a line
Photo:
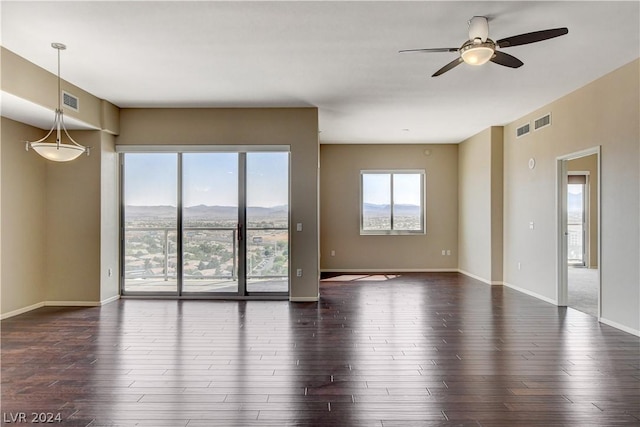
58	151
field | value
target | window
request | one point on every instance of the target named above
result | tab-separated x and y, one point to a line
392	201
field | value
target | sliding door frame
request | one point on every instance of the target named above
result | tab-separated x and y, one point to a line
241	232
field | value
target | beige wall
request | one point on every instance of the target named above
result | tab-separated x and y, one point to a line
23	243
604	113
340	167
73	225
109	219
71	208
497	204
296	127
25	80
480	205
590	164
110	116
53	244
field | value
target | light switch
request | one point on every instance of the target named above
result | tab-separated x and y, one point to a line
531	225
299	226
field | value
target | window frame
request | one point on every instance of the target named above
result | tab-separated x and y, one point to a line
423	200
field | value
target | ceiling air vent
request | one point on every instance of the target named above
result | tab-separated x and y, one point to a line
70	101
522	130
542	122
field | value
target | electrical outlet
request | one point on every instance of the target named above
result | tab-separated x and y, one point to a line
448	252
333	253
299	272
299	226
444	252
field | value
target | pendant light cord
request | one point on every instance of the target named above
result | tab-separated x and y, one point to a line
59	88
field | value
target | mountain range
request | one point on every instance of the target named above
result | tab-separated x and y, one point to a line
202	211
371	209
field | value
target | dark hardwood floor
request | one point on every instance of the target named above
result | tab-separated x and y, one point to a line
412	350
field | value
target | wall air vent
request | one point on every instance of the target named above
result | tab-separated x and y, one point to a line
70	101
522	130
543	121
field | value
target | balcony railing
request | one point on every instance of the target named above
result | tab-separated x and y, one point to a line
575	242
215	248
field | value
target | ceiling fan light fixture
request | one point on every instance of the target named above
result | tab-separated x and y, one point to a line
475	53
480	49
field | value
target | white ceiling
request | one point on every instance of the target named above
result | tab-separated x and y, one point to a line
341	57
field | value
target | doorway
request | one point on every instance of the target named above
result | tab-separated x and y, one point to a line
578	231
205	224
578	217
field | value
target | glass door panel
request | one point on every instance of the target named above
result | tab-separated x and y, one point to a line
576	224
150	223
267	219
210	220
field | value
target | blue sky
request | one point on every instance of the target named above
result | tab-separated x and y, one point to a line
377	186
208	179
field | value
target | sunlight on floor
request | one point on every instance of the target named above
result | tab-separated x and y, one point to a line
583	290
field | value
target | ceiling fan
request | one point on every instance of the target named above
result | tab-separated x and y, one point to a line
480	49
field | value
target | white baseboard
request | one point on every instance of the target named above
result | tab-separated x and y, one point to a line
619	326
303	299
58	304
72	303
530	293
482	279
109	300
21	310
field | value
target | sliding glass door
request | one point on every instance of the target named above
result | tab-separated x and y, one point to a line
202	224
150	223
267	222
210	222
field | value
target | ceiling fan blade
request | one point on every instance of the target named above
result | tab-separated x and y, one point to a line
536	36
437	49
506	60
447	67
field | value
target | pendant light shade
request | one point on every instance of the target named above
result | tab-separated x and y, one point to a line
58	151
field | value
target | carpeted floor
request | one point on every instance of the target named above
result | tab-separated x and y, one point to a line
583	290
